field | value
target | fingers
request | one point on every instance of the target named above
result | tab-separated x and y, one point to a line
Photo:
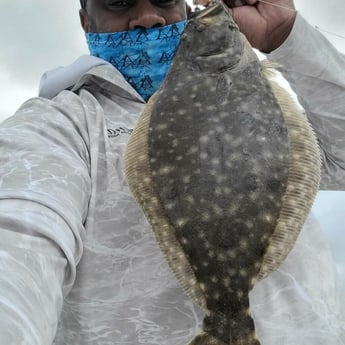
229	3
238	3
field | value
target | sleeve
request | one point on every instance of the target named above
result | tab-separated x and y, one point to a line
44	194
302	302
316	73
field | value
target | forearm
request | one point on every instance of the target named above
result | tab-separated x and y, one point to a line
316	72
44	194
32	272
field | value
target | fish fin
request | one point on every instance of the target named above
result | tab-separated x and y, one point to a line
205	338
140	180
269	69
302	185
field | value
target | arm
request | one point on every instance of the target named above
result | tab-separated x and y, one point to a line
316	72
44	194
314	69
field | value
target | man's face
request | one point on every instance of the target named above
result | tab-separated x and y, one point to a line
123	15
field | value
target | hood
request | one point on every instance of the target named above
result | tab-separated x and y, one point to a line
64	78
85	70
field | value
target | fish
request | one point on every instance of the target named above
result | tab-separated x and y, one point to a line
226	167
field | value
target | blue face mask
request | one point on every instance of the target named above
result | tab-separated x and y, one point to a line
143	56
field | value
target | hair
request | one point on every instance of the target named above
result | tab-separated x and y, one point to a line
83	4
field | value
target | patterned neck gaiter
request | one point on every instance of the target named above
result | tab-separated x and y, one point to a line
143	56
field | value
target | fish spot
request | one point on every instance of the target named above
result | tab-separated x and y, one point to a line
204	139
218	191
206	244
170	206
243	272
161	127
249	224
181	222
216	296
229	164
205	263
197	171
232	272
227	190
175	142
205	216
215	161
193	149
166	170
190	199
240	294
217	210
186	179
226	282
203	155
221	257
243	244
220	178
233	208
184	240
211	108
214	279
268	218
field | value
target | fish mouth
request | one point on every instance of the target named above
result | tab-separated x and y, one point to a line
213	14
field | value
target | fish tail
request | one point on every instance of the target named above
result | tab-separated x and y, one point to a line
222	329
205	338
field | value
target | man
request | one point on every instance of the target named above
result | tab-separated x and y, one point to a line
75	248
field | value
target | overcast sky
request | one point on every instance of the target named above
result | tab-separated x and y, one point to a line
38	35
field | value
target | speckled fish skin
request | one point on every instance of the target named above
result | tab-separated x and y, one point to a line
220	163
210	167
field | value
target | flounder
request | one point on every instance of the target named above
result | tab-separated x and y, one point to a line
226	169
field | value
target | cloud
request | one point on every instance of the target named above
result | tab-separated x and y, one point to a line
12	94
38	35
328	16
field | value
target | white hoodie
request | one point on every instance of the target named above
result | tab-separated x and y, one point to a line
78	261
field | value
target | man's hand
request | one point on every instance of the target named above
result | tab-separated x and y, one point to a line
265	26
